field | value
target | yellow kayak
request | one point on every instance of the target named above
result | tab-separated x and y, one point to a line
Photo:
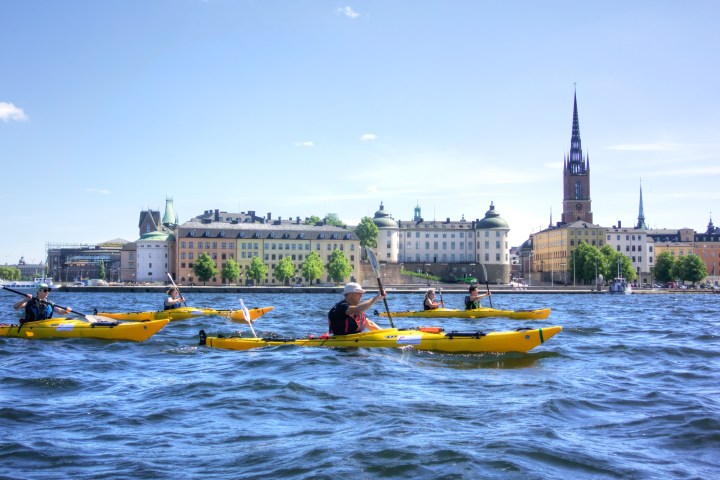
431	339
183	313
537	314
74	328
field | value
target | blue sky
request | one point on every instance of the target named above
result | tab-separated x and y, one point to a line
303	108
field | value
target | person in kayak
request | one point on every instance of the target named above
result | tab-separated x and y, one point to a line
348	315
174	299
39	307
472	301
429	303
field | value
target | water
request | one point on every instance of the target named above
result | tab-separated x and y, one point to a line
629	389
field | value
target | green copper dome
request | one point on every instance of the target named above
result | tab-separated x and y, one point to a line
492	219
156	236
382	219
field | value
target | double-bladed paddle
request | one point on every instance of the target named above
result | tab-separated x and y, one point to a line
90	318
376	268
176	287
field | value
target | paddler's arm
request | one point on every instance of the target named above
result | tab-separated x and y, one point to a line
363	306
21	303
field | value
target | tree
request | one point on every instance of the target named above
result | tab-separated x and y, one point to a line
204	268
257	270
312	220
312	268
663	268
101	273
367	232
616	264
231	271
586	263
285	270
338	266
334	219
10	273
689	267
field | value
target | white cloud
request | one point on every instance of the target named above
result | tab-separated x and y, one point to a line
348	12
8	111
368	137
101	191
306	143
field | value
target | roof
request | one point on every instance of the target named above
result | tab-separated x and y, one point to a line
492	220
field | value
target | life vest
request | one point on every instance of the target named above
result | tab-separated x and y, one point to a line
340	323
471	304
37	310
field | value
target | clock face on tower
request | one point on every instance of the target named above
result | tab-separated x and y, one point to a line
578	206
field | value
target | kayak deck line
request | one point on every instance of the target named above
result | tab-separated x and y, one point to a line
74	328
483	312
435	340
184	313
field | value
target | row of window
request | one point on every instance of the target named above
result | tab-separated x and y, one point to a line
640	238
461	245
223	245
498	233
444	258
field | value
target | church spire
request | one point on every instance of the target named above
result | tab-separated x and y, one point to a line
641	216
576	164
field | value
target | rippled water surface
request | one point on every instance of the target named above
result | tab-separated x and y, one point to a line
629	389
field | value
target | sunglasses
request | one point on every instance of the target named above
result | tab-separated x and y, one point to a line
46	290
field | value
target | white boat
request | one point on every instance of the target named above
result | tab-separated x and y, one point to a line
29	286
620	285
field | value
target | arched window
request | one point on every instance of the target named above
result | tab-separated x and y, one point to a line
578	191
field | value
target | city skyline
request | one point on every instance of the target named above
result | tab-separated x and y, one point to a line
309	108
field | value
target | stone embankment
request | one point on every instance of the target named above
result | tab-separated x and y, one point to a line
396	289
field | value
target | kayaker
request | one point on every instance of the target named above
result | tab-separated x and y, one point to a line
39	307
472	301
174	299
348	315
429	303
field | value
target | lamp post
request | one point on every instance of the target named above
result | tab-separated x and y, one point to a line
573	257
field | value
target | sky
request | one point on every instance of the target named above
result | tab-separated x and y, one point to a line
300	108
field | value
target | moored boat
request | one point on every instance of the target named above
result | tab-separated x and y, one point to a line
184	313
74	328
620	285
28	286
536	314
432	339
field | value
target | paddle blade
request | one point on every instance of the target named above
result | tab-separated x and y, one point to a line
246	315
373	261
245	311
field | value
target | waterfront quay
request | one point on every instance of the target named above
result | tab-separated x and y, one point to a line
391	289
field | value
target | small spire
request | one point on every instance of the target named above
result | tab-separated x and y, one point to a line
641	215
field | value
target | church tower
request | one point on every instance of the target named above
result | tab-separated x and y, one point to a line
576	178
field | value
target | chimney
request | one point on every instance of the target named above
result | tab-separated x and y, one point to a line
619	224
217	215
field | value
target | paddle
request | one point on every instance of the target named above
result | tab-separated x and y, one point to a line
246	316
376	268
487	285
176	287
442	302
91	318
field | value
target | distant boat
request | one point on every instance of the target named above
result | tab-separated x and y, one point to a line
620	285
28	285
